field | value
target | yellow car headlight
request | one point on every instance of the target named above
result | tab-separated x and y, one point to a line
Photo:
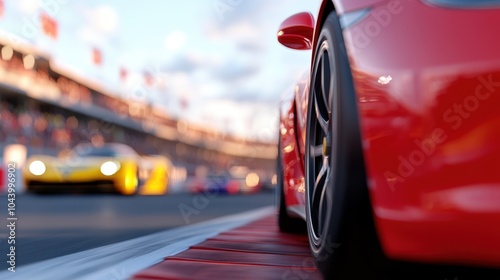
37	168
109	168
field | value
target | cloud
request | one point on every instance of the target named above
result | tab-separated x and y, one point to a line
256	120
249	96
184	62
230	68
227	12
245	34
251	46
235	70
28	7
175	41
100	24
103	19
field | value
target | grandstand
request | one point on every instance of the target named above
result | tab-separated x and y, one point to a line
50	110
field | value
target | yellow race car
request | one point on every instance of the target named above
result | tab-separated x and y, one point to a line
110	167
155	175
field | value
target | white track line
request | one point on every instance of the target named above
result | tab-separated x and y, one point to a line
121	260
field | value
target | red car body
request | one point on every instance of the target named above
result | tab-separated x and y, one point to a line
427	84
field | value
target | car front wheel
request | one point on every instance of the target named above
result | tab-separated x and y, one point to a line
340	225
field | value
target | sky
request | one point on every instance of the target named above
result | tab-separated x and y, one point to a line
215	63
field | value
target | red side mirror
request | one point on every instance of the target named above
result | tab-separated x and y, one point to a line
296	32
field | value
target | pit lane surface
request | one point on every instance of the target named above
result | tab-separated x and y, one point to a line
56	225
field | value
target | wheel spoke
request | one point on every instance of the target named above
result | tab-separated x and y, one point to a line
323	70
325	78
324	170
319	190
321	212
322	122
316	151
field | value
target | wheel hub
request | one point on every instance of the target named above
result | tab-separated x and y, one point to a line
326	146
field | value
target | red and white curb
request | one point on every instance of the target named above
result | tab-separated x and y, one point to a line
257	250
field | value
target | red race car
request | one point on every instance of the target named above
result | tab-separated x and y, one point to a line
388	147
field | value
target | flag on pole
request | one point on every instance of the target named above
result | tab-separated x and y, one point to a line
123	74
2	8
49	25
184	103
149	80
96	56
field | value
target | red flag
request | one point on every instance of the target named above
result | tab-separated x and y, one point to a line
149	79
123	74
49	25
2	8
184	103
96	56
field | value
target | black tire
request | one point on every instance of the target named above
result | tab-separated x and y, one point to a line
36	191
286	223
340	224
139	183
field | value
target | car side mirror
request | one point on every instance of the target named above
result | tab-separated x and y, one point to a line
296	32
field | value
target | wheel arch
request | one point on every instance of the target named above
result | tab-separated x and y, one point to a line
291	160
327	6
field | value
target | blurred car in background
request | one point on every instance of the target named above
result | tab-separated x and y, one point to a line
110	167
212	183
225	184
155	173
388	147
251	183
